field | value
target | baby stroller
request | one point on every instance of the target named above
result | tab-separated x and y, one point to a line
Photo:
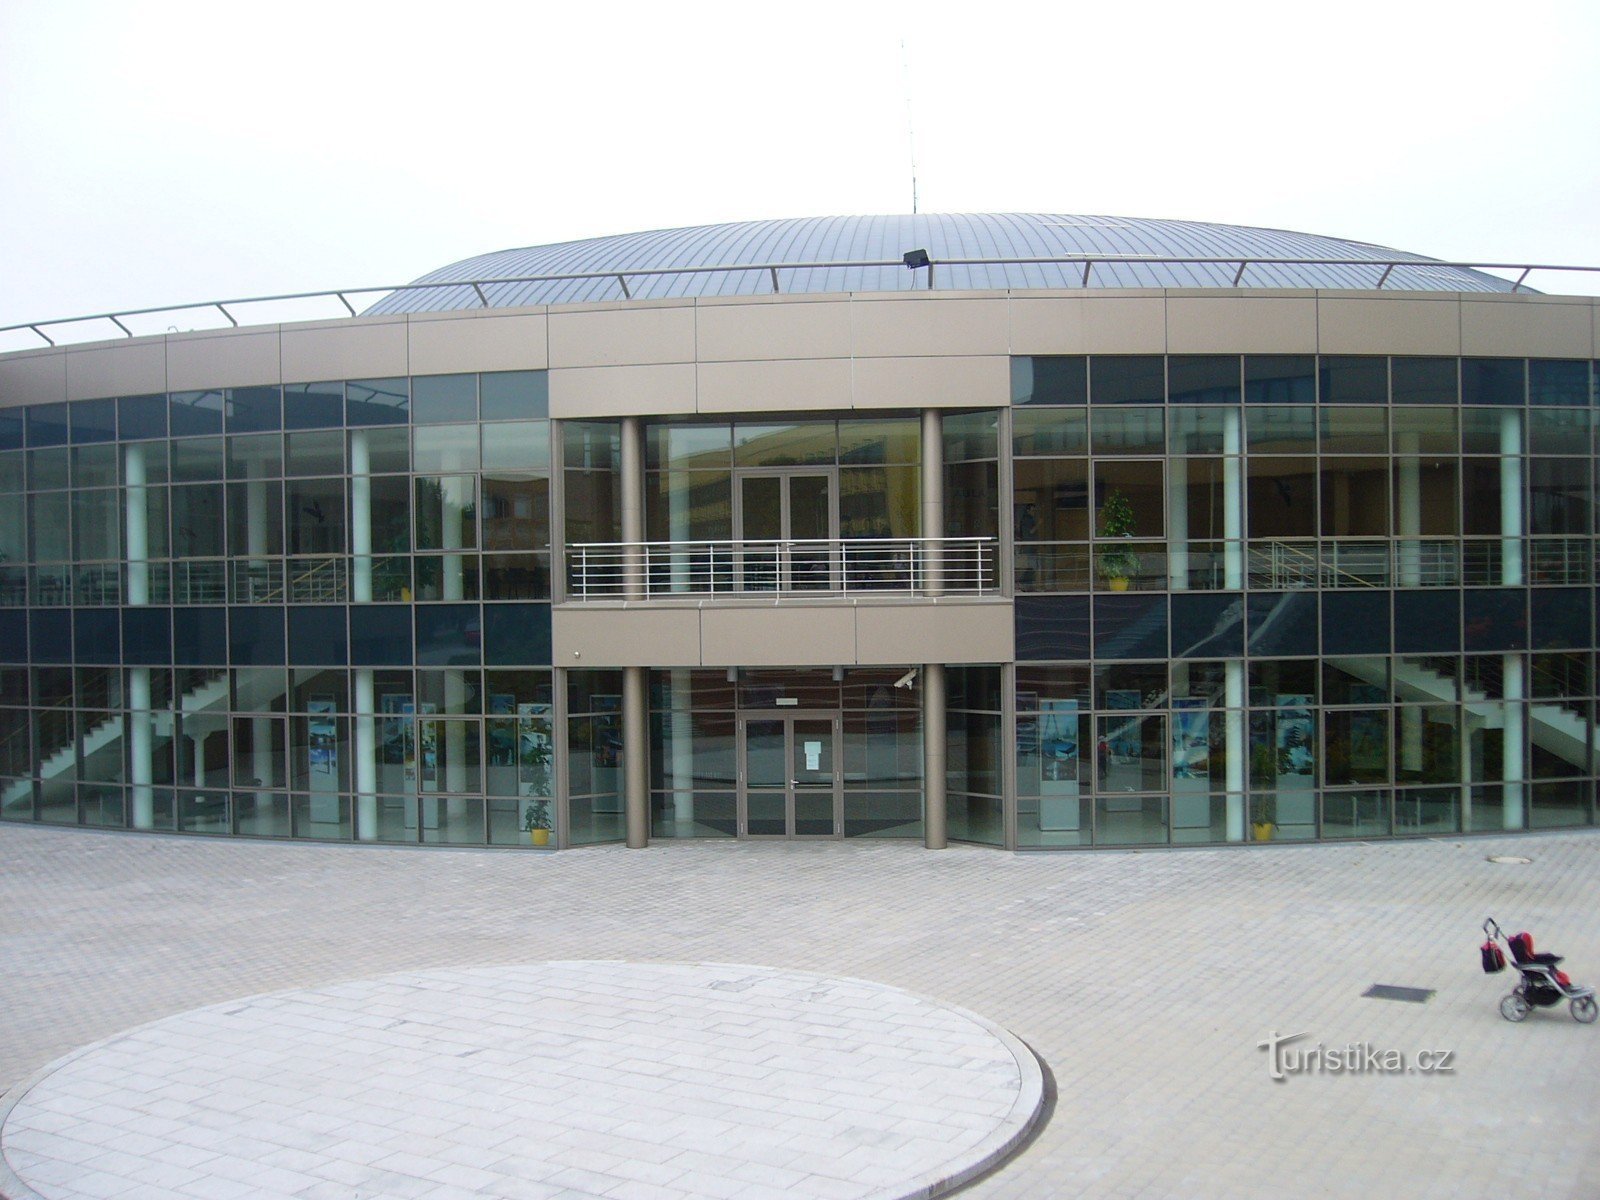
1541	985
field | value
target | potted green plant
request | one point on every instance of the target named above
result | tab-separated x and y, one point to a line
1117	563
1263	815
536	820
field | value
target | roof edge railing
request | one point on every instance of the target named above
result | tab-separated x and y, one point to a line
1087	261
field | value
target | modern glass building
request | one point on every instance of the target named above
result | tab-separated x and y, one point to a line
1092	532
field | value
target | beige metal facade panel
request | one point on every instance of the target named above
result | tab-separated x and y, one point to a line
588	637
33	377
228	358
1088	325
360	348
578	392
443	345
1350	325
947	632
786	635
1531	326
784	386
1240	325
781	329
906	327
610	337
118	369
932	382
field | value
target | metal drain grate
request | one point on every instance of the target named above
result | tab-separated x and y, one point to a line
1389	991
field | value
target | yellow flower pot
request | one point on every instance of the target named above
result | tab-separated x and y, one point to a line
539	837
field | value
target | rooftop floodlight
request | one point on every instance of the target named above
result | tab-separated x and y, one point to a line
915	259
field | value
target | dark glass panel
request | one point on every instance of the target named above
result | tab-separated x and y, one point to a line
442	399
197	460
1282	623
377	402
1278	430
1049	379
12	424
93	421
1560	618
514	395
255	636
1203	379
1130	627
1052	627
1558	381
1045	431
1128	378
1424	380
194	413
254	409
1427	622
199	637
50	635
381	636
97	636
1493	380
448	635
318	636
1353	379
516	634
969	436
47	424
313	405
1494	619
1355	622
147	636
1280	378
1209	625
142	417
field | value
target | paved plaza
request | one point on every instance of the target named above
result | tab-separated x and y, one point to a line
1145	982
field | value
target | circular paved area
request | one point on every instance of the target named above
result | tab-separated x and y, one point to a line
559	1079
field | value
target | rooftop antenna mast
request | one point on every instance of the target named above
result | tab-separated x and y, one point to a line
911	135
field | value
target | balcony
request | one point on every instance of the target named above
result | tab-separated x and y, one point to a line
803	570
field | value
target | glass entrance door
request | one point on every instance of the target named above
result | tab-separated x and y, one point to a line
786	523
789	778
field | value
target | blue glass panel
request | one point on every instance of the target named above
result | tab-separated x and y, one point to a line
13	635
97	635
448	635
47	424
142	417
1355	622
1424	380
1493	380
254	410
255	636
50	635
313	405
1558	381
377	402
441	399
1427	622
1054	379
1208	625
1281	623
199	637
318	635
1052	627
1128	379
11	429
195	412
147	636
94	421
1560	618
1280	378
516	635
1203	379
1353	379
1130	627
381	636
514	395
1494	618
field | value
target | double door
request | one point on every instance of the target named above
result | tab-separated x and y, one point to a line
789	779
787	520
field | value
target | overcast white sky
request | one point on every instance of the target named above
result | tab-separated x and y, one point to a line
170	151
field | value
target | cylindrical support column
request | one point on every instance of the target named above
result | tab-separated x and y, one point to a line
1511	497
933	501
360	516
935	749
1409	512
136	524
198	738
366	757
1512	751
1232	501
455	743
1234	746
1178	515
632	466
452	504
139	766
682	756
635	757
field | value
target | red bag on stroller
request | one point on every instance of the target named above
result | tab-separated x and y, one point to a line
1494	958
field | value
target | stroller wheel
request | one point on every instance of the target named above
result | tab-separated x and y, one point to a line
1514	1007
1584	1010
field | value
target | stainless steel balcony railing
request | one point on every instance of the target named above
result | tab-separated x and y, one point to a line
794	568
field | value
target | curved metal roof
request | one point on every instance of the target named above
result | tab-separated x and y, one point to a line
944	236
